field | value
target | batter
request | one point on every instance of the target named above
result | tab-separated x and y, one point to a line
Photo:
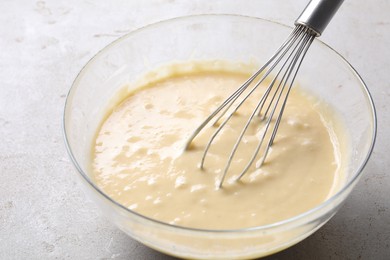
138	157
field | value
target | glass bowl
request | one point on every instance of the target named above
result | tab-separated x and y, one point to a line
234	38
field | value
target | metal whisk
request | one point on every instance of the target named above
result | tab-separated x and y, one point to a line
280	70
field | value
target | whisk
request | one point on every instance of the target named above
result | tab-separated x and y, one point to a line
280	70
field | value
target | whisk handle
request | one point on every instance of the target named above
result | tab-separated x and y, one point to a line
318	14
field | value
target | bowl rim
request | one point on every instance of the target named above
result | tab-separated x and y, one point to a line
332	198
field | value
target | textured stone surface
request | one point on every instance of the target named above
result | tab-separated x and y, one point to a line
43	45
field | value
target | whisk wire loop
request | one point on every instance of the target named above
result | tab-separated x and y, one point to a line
286	63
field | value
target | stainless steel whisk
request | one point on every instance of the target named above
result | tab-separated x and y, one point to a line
280	70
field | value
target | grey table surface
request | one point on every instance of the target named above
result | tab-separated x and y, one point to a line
43	45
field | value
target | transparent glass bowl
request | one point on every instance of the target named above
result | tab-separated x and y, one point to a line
215	37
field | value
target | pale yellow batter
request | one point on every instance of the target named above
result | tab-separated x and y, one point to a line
138	157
